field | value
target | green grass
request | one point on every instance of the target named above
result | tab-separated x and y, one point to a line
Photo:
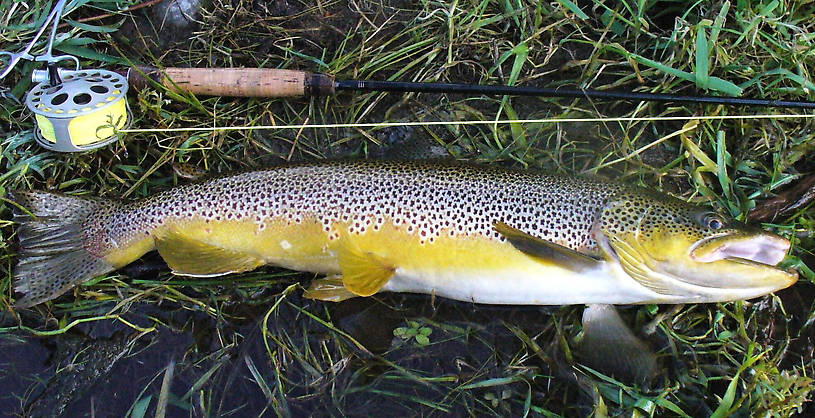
299	356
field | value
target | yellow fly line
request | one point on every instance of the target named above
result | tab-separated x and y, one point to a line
470	122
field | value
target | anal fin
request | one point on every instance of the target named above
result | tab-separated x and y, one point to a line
330	288
191	257
545	250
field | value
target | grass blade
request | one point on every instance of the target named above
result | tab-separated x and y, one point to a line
702	59
164	394
574	9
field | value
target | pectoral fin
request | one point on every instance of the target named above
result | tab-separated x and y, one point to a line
610	347
545	250
363	272
191	257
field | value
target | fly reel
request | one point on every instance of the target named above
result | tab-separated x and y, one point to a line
76	110
80	113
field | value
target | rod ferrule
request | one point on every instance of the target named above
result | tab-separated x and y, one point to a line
320	85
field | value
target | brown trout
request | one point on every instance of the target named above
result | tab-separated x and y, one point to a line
465	232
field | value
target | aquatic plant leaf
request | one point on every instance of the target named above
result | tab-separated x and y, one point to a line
140	407
702	59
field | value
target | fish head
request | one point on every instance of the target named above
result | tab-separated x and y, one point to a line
688	253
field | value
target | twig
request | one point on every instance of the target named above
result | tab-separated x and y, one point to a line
796	197
109	14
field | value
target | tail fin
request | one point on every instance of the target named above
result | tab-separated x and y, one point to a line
53	257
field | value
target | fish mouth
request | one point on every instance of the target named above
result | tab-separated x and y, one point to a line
768	249
742	265
721	268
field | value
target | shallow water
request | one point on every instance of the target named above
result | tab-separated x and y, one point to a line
467	342
320	358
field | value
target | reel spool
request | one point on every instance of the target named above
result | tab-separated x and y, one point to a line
81	113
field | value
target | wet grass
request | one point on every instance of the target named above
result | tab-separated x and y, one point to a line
249	344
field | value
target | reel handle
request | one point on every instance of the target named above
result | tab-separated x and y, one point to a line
235	82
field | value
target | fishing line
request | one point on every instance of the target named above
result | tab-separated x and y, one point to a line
465	122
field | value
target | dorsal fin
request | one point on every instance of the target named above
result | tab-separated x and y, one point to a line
545	250
192	257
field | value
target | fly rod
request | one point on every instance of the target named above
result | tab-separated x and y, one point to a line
83	109
262	82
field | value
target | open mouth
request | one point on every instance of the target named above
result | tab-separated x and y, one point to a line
765	248
729	266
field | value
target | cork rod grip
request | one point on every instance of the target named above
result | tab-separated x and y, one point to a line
236	82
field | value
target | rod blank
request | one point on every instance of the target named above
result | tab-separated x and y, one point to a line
453	88
269	82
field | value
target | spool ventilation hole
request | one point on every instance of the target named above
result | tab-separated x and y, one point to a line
82	98
59	99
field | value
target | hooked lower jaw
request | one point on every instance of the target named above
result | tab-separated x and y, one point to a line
726	268
743	278
754	252
781	280
717	269
728	280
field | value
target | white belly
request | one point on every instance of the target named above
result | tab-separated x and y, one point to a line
541	285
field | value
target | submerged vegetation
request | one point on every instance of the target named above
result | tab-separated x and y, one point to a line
143	343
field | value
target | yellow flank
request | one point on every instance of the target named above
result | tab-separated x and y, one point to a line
445	253
306	246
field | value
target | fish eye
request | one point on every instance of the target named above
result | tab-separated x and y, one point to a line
713	222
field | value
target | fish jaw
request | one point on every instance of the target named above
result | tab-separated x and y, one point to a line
745	262
681	279
739	278
763	247
687	253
